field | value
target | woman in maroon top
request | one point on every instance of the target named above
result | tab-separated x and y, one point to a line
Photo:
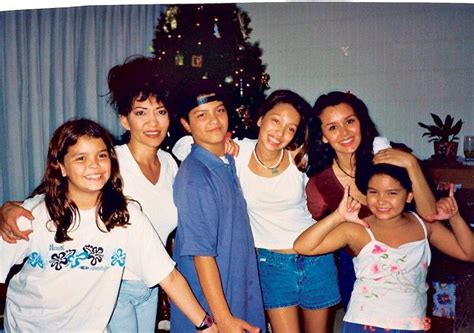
342	135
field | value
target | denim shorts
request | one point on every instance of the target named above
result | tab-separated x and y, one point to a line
309	282
360	328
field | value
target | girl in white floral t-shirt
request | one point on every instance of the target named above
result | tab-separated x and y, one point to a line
392	251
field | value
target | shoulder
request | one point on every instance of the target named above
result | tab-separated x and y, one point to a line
167	158
246	143
122	153
246	147
323	178
327	173
120	149
192	170
33	202
357	235
135	212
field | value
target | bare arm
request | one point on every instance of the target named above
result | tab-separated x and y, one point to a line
328	235
210	280
178	290
460	242
424	198
9	214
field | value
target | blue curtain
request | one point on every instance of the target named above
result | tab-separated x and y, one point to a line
53	66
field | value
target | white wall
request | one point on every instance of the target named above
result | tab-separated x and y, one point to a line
403	60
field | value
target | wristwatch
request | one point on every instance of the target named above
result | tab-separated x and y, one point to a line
206	323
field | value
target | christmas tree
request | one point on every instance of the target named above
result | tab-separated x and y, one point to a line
210	42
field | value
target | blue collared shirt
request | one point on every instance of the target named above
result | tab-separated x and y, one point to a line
213	221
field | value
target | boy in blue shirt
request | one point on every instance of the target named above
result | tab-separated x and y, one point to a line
214	248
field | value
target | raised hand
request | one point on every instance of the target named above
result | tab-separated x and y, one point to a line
349	209
446	207
396	157
231	147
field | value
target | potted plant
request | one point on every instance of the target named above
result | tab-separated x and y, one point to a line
443	135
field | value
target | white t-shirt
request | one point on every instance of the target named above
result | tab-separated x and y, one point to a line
73	286
277	206
156	200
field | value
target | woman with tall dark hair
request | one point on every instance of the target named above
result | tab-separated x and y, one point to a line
341	148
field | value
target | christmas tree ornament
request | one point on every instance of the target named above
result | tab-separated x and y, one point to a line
264	81
196	61
216	31
179	59
171	13
243	29
244	115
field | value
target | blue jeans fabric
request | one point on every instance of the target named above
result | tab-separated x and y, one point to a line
136	308
359	328
309	282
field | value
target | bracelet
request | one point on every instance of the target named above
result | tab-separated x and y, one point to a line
207	322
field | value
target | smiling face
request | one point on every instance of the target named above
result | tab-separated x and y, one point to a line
208	125
386	197
87	168
341	128
148	122
278	126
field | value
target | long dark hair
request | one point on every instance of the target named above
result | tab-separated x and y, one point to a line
136	80
303	108
111	205
320	154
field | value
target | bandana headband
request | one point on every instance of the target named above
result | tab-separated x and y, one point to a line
206	99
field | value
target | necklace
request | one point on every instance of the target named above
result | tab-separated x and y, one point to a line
340	168
273	168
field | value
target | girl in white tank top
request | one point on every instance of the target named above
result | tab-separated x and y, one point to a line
392	257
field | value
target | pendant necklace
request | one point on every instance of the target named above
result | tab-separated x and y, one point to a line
340	168
273	168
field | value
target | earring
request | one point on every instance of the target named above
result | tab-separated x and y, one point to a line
168	134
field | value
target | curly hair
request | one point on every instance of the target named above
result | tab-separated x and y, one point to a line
320	154
111	205
300	140
136	79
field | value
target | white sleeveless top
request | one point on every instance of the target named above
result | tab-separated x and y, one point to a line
390	288
277	206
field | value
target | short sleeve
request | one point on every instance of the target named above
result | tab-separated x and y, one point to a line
13	254
317	205
182	147
31	203
146	257
198	217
